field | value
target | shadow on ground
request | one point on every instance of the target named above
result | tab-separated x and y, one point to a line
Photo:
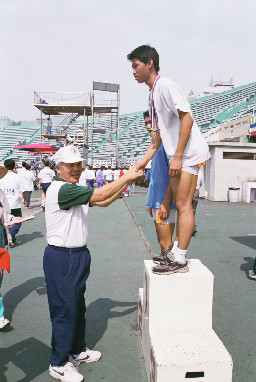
97	316
249	241
28	237
17	294
25	356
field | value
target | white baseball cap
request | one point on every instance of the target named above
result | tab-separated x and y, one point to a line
67	154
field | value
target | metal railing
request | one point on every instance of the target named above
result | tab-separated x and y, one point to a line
62	98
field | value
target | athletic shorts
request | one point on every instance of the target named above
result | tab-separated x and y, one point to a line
45	186
191	169
169	220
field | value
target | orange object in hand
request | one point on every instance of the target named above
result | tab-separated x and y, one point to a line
159	220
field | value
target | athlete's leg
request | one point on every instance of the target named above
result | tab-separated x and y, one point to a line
184	187
164	235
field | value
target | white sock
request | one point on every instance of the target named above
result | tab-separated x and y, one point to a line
175	245
179	255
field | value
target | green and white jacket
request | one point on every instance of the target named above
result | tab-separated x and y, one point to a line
66	209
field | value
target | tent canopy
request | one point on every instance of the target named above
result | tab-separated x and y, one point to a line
39	147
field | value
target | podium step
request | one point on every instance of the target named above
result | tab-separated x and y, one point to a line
179	300
175	326
188	355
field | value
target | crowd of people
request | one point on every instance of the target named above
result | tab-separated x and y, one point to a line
92	177
177	150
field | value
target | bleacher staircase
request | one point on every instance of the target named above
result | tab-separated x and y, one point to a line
175	326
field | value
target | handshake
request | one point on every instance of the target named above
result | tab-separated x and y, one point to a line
134	175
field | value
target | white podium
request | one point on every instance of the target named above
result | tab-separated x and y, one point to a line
175	325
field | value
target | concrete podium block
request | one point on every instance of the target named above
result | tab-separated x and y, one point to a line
178	301
188	355
140	311
144	332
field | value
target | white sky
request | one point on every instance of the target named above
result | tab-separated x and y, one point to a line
64	45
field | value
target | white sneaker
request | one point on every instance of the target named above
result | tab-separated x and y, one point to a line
66	373
10	240
252	275
86	356
3	322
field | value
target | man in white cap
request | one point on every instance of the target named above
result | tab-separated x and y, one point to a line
67	259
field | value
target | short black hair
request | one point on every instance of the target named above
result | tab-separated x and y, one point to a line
27	167
23	164
144	53
146	114
9	164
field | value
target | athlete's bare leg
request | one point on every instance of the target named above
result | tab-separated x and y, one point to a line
183	187
164	235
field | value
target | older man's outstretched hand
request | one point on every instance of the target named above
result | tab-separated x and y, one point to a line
135	173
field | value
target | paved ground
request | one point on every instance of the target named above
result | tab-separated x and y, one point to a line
225	242
117	271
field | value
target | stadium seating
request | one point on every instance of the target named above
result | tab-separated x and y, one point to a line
208	112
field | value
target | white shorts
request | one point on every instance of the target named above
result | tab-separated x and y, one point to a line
169	220
191	169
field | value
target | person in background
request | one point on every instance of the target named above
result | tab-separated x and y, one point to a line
28	183
21	172
116	173
83	180
45	177
100	177
91	177
108	175
196	196
4	255
147	177
133	189
49	126
11	185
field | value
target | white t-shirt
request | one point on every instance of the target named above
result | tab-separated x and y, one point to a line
108	174
91	174
46	174
116	174
66	209
82	179
11	186
21	172
28	181
168	99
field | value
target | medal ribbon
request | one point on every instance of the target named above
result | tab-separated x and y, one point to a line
153	115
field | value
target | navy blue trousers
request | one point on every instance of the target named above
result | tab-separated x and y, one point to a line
91	183
16	227
28	193
66	271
